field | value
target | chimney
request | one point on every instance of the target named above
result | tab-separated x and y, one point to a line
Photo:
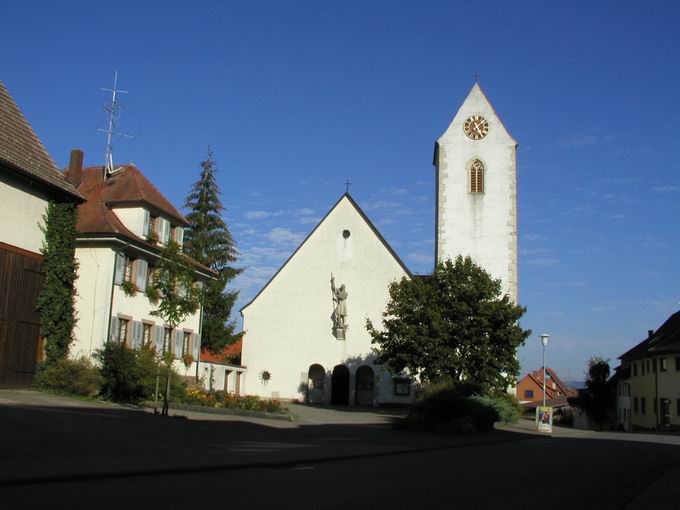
650	332
74	174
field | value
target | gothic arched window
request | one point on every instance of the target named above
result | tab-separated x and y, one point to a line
476	176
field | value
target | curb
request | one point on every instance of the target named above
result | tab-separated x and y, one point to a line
234	412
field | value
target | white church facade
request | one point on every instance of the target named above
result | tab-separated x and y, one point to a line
305	334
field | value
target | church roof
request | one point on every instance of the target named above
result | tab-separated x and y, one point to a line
366	220
22	151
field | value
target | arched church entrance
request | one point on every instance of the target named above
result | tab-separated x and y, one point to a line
316	384
364	386
340	385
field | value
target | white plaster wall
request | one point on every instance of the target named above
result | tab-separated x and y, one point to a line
288	327
132	218
93	287
481	225
21	212
95	277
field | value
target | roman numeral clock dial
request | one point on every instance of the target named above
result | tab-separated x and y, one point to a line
476	127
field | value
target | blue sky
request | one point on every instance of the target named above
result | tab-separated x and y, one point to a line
296	97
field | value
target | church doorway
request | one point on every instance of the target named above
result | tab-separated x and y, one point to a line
316	383
364	386
340	385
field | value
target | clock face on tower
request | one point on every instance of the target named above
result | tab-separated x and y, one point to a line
476	127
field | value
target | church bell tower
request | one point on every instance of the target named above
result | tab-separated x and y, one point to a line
476	175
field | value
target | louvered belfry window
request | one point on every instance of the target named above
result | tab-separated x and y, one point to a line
477	177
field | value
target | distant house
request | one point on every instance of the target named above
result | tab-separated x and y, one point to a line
223	371
530	388
122	227
649	379
29	179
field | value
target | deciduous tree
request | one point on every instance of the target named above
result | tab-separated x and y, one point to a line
453	325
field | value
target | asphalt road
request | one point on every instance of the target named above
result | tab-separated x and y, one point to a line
59	455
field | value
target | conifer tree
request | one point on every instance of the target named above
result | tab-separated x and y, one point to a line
209	242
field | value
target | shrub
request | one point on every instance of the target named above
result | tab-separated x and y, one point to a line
199	396
74	377
508	407
130	374
457	407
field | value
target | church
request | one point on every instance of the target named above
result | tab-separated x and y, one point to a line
305	336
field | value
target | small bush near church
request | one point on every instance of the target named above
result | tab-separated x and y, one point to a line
130	374
73	377
457	407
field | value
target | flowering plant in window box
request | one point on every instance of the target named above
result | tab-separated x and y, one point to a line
129	288
187	359
152	237
153	294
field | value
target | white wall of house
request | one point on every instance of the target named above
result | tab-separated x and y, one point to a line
623	407
93	301
654	385
481	225
21	211
220	377
288	327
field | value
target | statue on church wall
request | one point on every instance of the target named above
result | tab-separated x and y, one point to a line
340	313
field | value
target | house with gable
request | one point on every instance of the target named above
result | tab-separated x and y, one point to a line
304	332
530	388
122	226
29	180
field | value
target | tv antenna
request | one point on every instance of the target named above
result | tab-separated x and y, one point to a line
113	113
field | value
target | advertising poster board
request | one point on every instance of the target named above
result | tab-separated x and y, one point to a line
544	419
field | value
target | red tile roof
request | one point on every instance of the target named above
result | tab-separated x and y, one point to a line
127	185
21	149
537	376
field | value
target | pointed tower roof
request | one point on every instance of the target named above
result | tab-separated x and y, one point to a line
22	151
477	103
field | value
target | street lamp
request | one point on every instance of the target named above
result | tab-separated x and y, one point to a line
544	341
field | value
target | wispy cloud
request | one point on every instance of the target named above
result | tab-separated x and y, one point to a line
666	189
542	262
420	257
581	140
285	236
257	215
381	204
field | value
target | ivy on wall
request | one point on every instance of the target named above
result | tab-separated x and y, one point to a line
56	302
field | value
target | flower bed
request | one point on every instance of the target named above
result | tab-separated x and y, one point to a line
198	396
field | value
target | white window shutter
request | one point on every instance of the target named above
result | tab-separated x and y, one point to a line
179	334
145	225
113	333
159	338
179	234
196	340
166	231
142	267
120	269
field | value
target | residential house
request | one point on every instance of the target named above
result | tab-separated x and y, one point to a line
29	179
122	225
650	378
530	387
223	371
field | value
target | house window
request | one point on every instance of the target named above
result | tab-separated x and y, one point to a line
663	365
643	405
186	343
123	330
677	407
477	177
152	227
146	334
402	386
635	369
677	363
648	366
635	405
127	272
643	367
528	393
654	365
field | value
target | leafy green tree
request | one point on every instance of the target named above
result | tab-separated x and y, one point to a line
56	302
179	297
209	242
452	326
598	398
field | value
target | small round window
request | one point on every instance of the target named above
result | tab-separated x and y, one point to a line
345	234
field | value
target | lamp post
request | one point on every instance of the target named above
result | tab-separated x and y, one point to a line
544	341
